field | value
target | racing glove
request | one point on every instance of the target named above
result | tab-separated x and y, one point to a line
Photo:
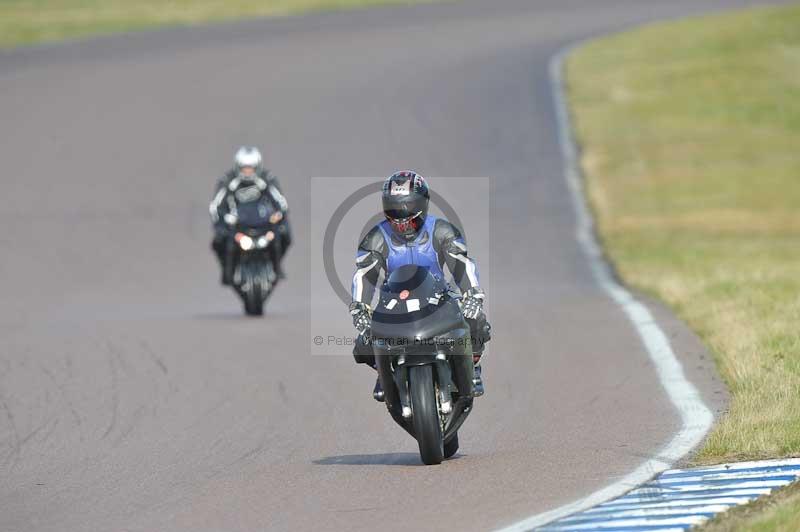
472	303
362	316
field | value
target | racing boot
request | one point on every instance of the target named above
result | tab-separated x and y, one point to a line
279	270
219	245
477	382
227	272
277	259
377	392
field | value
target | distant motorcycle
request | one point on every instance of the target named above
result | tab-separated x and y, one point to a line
421	346
252	253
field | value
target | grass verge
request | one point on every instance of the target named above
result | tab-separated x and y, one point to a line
777	513
691	148
37	21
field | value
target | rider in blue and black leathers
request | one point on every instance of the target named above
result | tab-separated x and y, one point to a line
409	235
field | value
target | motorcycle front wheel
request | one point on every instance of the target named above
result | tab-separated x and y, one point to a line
425	415
252	294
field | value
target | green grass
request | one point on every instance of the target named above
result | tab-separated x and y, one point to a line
691	147
778	513
37	21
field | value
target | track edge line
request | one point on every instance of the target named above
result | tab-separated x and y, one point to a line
696	417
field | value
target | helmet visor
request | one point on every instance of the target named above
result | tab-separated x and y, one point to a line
406	225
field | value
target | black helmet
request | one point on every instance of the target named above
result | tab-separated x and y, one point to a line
405	203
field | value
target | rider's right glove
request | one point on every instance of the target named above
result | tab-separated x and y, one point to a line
472	303
362	316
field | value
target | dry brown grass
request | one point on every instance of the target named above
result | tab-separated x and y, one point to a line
691	137
693	166
35	21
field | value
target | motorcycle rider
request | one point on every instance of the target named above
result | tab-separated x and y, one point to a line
410	235
248	180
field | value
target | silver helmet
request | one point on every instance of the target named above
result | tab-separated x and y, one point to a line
248	156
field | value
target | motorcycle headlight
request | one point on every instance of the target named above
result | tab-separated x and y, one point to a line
246	243
262	242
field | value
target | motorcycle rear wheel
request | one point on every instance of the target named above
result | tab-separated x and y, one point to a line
425	414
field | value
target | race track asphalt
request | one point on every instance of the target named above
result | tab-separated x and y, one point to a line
133	394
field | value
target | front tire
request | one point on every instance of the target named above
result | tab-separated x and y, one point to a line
253	305
252	296
425	415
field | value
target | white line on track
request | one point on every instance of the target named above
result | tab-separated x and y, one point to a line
671	491
687	497
648	512
762	475
669	522
660	506
696	418
728	500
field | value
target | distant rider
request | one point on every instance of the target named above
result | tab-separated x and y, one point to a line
247	181
409	235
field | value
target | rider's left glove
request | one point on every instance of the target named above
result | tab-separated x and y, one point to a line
362	316
472	303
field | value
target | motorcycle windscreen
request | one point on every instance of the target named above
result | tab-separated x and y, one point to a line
413	306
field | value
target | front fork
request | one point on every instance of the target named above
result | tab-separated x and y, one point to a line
401	381
443	378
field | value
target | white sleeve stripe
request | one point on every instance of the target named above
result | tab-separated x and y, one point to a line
358	280
459	245
470	267
361	258
279	197
213	208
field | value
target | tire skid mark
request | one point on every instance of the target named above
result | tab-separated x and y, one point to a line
15	439
154	356
64	395
111	353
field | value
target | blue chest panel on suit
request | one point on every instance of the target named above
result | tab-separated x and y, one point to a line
420	251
